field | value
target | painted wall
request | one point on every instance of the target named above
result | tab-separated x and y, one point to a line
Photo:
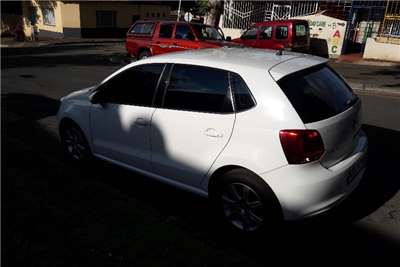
233	33
327	28
124	12
36	7
71	19
381	51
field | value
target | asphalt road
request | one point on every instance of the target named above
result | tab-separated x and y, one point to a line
54	213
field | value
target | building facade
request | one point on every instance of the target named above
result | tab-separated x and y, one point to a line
88	19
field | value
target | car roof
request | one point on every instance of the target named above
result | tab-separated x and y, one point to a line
288	21
172	21
234	58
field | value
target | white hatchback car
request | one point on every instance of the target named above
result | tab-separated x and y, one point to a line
267	136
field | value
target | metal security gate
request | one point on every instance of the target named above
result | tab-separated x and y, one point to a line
241	14
364	21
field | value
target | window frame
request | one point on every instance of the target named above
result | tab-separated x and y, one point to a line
173	29
276	30
44	13
143	34
232	89
229	94
261	31
183	39
114	19
101	86
256	35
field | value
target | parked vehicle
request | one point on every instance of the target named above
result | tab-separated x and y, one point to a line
290	34
148	38
266	136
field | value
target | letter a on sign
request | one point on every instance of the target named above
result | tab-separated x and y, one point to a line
337	34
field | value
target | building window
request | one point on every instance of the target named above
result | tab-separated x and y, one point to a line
106	19
48	16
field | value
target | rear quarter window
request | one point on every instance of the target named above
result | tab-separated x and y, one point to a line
317	93
142	28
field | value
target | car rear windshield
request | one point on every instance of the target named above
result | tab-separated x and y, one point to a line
317	93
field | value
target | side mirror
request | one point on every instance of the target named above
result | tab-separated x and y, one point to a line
95	98
228	39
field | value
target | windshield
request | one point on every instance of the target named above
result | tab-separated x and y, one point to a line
206	32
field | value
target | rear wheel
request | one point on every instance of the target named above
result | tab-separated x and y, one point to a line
144	54
245	202
75	145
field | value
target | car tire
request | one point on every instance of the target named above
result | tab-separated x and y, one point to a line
75	146
144	54
245	202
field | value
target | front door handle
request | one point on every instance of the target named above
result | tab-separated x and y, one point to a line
213	133
141	122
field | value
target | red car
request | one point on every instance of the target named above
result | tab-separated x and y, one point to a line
148	38
292	34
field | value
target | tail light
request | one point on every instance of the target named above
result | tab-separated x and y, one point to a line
301	146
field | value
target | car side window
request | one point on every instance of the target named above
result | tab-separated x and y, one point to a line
142	28
250	34
134	86
166	30
242	96
266	32
197	88
281	32
184	32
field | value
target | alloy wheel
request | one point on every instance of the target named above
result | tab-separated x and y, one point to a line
242	207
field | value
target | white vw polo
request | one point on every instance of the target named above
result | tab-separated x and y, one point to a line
267	136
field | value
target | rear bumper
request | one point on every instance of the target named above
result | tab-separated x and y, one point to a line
309	189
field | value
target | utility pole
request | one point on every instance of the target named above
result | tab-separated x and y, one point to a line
179	11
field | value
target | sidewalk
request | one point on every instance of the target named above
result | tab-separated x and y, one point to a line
10	42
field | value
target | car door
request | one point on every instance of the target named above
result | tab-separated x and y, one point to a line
249	38
120	121
163	42
184	38
281	36
193	125
265	37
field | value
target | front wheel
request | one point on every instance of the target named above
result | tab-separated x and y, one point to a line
75	145
144	54
245	202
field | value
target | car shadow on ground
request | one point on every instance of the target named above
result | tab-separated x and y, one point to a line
57	212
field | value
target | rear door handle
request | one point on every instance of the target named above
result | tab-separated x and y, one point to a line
140	122
213	133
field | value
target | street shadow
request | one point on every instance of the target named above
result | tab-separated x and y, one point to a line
114	59
62	197
28	106
46	49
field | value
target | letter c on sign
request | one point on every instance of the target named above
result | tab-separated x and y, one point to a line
334	49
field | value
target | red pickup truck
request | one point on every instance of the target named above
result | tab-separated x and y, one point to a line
148	38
